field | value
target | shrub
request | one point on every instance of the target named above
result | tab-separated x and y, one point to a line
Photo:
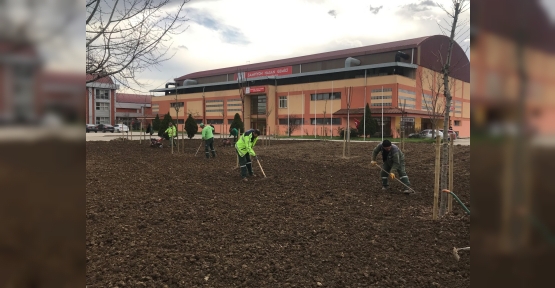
191	127
354	133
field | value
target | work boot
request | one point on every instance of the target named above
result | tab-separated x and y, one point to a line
245	180
385	188
407	191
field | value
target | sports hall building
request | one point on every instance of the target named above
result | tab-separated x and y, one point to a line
401	78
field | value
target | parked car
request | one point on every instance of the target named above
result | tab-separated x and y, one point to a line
452	134
121	128
427	133
105	128
91	128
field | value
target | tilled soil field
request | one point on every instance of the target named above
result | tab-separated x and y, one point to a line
160	220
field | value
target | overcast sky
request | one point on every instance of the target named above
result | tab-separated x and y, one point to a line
224	33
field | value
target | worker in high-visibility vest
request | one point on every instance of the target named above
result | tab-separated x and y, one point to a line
208	138
172	132
244	147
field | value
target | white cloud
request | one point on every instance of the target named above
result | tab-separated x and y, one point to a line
229	33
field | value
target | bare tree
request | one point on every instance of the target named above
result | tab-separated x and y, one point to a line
325	130
295	122
347	137
242	84
459	6
126	37
269	110
433	101
177	106
224	124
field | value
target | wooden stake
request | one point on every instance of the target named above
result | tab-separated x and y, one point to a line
344	141
450	197
436	182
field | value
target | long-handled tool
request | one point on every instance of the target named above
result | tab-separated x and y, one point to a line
198	148
396	179
261	167
456	252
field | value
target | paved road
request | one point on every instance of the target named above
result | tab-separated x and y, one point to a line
100	136
109	136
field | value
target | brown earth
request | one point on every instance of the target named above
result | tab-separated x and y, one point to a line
155	219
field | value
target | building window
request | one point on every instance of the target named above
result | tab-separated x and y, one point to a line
234	100
103	94
214	105
215	101
155	108
234	105
180	121
322	121
407	106
282	101
381	97
215	121
407	91
214	110
381	104
380	90
229	121
293	121
101	106
233	110
176	104
102	120
427	105
198	121
406	98
258	105
325	96
457	122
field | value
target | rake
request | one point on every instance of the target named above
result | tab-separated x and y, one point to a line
261	168
396	179
198	148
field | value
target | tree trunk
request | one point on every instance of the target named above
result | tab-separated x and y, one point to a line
447	93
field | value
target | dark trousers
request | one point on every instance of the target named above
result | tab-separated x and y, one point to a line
402	174
209	143
245	164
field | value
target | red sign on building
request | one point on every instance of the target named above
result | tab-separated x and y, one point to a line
268	72
255	89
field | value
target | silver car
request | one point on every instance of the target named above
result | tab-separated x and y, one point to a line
427	133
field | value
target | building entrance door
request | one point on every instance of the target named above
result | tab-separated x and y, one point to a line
259	124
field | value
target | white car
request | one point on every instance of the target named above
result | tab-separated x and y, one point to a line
428	134
120	128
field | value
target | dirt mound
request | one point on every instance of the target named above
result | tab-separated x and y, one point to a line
156	219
